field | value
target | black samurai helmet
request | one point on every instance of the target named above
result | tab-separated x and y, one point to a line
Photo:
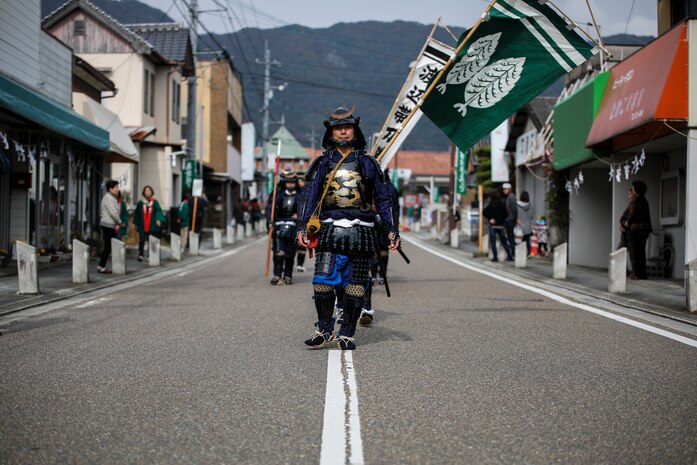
343	116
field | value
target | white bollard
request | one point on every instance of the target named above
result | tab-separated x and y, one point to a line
217	238
617	272
81	262
193	243
230	235
248	230
521	255
455	238
118	257
176	244
27	269
691	285
154	247
559	261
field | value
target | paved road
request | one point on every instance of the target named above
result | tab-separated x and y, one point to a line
208	367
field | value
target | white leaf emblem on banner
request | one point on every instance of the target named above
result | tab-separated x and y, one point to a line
491	84
477	58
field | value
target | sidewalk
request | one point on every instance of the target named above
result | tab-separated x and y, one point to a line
55	279
664	297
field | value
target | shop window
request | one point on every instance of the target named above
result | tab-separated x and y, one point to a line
670	198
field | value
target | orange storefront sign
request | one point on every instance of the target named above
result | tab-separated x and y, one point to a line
644	90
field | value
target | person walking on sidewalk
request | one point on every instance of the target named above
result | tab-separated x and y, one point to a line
511	215
525	218
496	213
342	184
123	213
184	219
148	218
637	228
542	232
109	221
283	236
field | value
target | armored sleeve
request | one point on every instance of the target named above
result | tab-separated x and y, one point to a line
383	199
314	180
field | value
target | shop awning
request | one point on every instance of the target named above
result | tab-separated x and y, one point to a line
573	119
119	140
643	91
51	115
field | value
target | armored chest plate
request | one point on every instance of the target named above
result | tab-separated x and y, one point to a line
345	189
288	204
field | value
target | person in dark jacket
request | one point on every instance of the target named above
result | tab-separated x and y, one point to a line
495	212
525	218
285	215
368	313
511	215
148	218
637	228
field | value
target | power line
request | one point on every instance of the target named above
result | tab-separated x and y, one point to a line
629	16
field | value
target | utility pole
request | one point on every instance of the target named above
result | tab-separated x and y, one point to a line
268	95
192	107
313	138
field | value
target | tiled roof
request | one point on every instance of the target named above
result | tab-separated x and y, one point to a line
138	42
424	163
170	39
290	147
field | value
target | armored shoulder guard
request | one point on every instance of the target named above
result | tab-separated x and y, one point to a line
376	165
313	167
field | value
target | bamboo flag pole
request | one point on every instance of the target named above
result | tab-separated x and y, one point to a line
600	45
404	86
273	209
444	26
435	80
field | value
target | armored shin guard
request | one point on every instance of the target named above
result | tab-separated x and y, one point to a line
324	304
354	295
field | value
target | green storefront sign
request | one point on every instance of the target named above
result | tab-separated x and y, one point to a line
573	119
461	172
188	175
270	181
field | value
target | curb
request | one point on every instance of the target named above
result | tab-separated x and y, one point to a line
77	290
604	296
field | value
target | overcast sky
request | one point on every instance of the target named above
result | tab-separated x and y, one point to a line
614	16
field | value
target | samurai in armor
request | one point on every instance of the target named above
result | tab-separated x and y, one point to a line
284	220
342	185
383	242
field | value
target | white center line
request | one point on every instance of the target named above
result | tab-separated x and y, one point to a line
94	302
341	431
652	329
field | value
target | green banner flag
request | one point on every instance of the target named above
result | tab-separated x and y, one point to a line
461	173
188	175
519	51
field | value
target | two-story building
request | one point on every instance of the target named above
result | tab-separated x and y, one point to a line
149	83
45	146
219	98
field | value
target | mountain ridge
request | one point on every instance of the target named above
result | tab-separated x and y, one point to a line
360	63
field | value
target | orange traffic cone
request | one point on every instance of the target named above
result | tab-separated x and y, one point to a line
534	246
